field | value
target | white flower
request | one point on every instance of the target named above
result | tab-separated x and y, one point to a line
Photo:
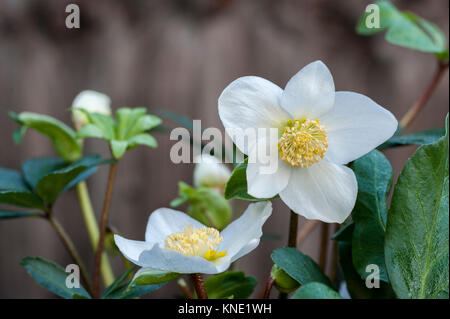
210	172
319	130
91	101
178	243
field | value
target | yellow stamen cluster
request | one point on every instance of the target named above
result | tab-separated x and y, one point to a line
201	242
303	143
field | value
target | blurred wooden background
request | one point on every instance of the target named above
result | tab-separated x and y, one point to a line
179	55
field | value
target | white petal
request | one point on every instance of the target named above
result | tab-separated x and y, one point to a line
248	103
240	236
355	126
131	249
169	260
165	221
309	93
266	177
323	191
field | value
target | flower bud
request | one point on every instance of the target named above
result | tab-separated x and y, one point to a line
91	101
283	281
210	172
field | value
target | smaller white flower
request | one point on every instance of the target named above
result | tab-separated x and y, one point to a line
91	101
210	172
175	242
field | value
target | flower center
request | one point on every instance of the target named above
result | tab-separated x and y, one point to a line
303	143
201	242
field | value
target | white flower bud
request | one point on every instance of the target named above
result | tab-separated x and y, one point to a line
210	172
91	101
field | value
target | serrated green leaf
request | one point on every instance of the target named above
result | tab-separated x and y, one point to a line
104	123
316	290
417	231
117	284
63	138
231	283
419	138
299	266
52	277
374	175
127	118
12	215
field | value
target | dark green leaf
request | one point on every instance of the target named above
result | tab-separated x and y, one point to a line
21	198
417	232
420	138
345	234
231	283
12	215
62	136
117	284
355	285
316	290
12	180
299	266
56	182
35	168
52	277
374	174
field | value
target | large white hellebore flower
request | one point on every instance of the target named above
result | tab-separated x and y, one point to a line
91	101
319	130
210	172
178	243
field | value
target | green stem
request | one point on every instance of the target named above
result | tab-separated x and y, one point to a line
93	232
70	248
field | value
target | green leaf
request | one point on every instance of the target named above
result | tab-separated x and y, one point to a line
52	277
127	118
420	138
62	136
345	234
374	175
356	286
144	123
316	290
405	29
91	131
231	283
118	148
104	123
417	232
50	186
21	198
12	215
35	168
147	276
14	190
117	284
177	118
237	184
206	205
142	139
299	266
